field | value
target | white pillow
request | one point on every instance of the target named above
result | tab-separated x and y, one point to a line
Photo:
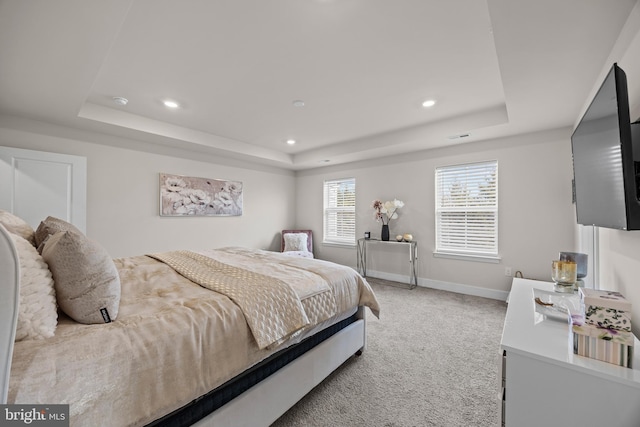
17	225
38	313
86	279
295	242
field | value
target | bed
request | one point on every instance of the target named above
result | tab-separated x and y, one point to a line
187	340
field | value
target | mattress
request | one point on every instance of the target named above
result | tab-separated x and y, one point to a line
172	342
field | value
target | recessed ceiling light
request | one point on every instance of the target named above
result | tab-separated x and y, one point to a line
120	100
429	103
298	103
291	141
170	104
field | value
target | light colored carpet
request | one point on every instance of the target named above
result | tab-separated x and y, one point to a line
432	360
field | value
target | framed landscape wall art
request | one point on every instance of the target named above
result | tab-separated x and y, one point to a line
191	196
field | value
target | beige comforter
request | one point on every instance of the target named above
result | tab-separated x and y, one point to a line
173	341
272	307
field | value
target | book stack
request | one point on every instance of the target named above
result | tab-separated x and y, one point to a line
603	331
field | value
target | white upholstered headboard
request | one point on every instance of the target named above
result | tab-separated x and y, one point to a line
9	300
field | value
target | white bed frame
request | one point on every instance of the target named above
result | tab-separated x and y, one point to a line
259	406
264	403
9	303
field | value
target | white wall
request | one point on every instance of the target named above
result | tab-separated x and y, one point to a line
535	218
536	215
122	194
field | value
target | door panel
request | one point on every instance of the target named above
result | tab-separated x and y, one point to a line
42	184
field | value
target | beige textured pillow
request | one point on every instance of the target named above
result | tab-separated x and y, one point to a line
17	225
52	225
86	279
38	313
295	242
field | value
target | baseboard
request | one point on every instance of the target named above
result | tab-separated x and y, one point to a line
464	289
444	286
389	276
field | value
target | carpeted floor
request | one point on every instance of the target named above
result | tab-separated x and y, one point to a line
432	360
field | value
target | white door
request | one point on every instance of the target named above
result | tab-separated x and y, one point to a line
37	184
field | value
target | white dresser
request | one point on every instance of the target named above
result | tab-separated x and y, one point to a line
545	384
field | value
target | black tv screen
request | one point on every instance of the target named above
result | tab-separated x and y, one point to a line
604	169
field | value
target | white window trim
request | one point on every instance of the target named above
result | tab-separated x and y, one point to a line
468	255
339	245
331	241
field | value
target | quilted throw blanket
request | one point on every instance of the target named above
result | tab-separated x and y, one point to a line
273	309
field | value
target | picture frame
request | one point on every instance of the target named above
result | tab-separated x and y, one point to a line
186	196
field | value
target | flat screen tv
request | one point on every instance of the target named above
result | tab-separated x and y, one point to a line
606	173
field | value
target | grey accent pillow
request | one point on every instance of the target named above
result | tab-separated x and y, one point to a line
52	225
17	225
86	280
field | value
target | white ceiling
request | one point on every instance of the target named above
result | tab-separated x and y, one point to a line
362	68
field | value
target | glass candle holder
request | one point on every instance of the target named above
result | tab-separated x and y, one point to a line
564	274
581	260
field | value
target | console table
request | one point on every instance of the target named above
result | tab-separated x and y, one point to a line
544	384
413	256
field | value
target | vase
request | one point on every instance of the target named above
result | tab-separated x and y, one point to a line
384	236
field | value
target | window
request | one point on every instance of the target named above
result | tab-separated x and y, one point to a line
340	211
467	209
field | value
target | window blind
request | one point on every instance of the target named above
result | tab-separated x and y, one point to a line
340	211
467	209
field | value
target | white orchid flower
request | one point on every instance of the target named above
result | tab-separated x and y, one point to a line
387	208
